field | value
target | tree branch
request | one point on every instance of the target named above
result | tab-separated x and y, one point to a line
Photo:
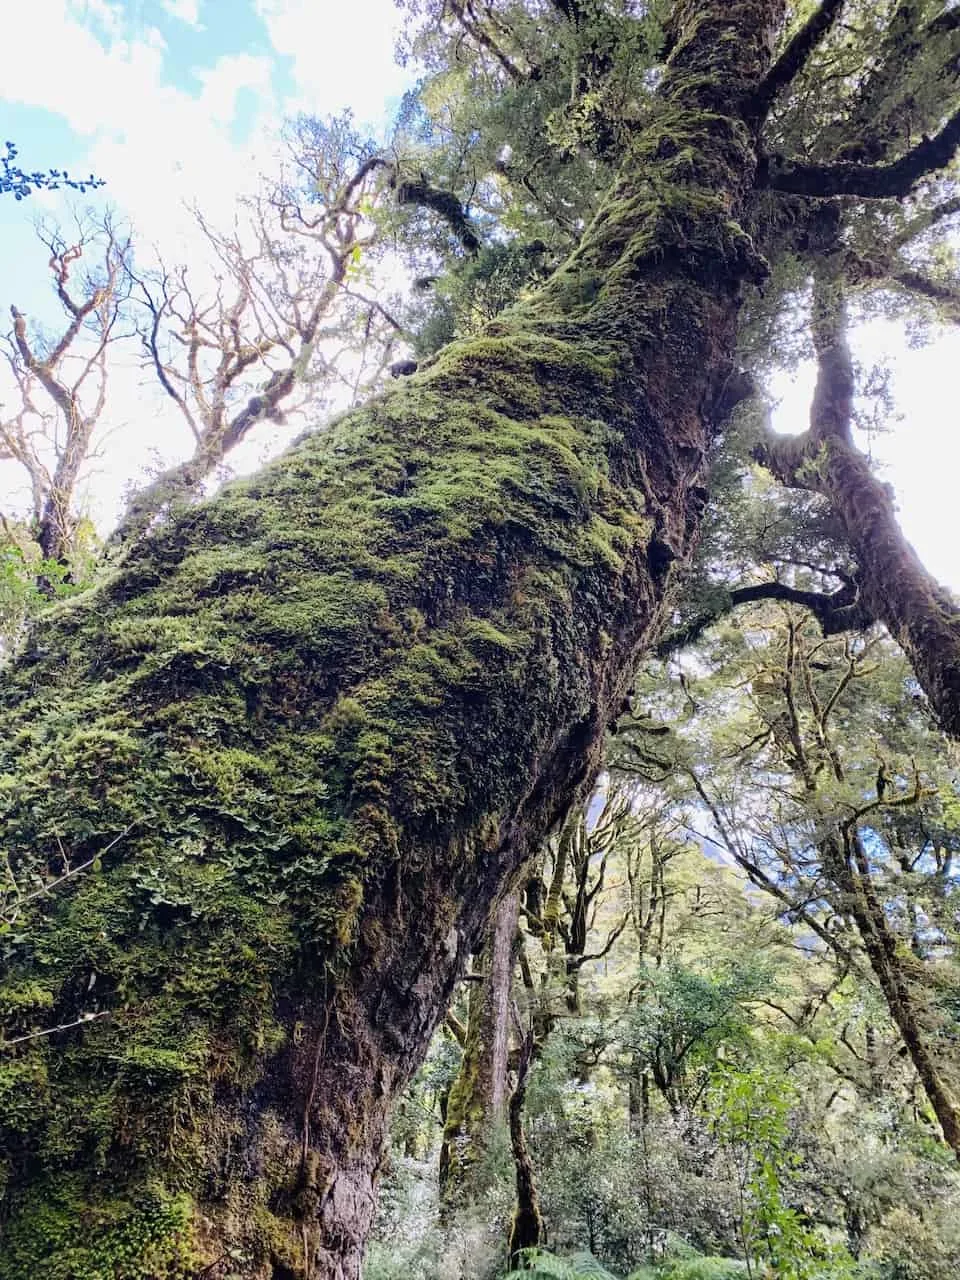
945	296
445	205
896	589
794	58
836	611
486	41
52	1031
926	219
945	23
872	182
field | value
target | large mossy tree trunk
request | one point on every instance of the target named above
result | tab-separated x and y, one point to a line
287	756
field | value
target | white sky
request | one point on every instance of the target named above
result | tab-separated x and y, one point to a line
919	454
174	99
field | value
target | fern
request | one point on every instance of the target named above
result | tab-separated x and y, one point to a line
703	1269
540	1265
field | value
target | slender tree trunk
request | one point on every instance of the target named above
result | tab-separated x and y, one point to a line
477	1101
281	764
526	1228
851	872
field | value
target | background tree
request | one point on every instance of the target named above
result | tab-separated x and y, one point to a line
60	381
814	809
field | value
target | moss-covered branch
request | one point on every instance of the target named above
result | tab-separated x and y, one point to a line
894	587
836	611
872	182
445	205
796	54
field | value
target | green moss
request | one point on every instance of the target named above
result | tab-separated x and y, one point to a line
241	741
66	1232
290	703
25	997
24	1094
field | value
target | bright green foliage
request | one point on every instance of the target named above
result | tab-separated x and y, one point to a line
583	1266
523	117
682	1016
779	1135
28	582
541	1265
748	1111
698	1269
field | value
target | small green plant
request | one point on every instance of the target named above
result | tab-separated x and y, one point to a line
750	1115
542	1265
700	1269
28	582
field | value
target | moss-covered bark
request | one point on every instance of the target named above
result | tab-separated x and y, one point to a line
526	1226
312	724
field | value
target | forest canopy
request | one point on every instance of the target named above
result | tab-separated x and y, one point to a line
533	794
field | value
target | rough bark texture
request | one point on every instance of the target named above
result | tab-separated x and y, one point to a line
478	1096
319	719
526	1227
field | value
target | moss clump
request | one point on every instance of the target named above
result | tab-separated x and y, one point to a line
66	1232
24	1095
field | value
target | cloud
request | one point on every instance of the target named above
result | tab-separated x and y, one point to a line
226	78
156	144
187	11
342	53
75	76
105	14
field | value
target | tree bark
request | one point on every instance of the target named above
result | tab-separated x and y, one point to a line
478	1097
286	757
526	1227
848	866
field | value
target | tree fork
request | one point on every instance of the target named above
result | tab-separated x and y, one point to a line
333	709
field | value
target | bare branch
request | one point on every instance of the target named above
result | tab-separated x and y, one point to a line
72	374
52	1031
